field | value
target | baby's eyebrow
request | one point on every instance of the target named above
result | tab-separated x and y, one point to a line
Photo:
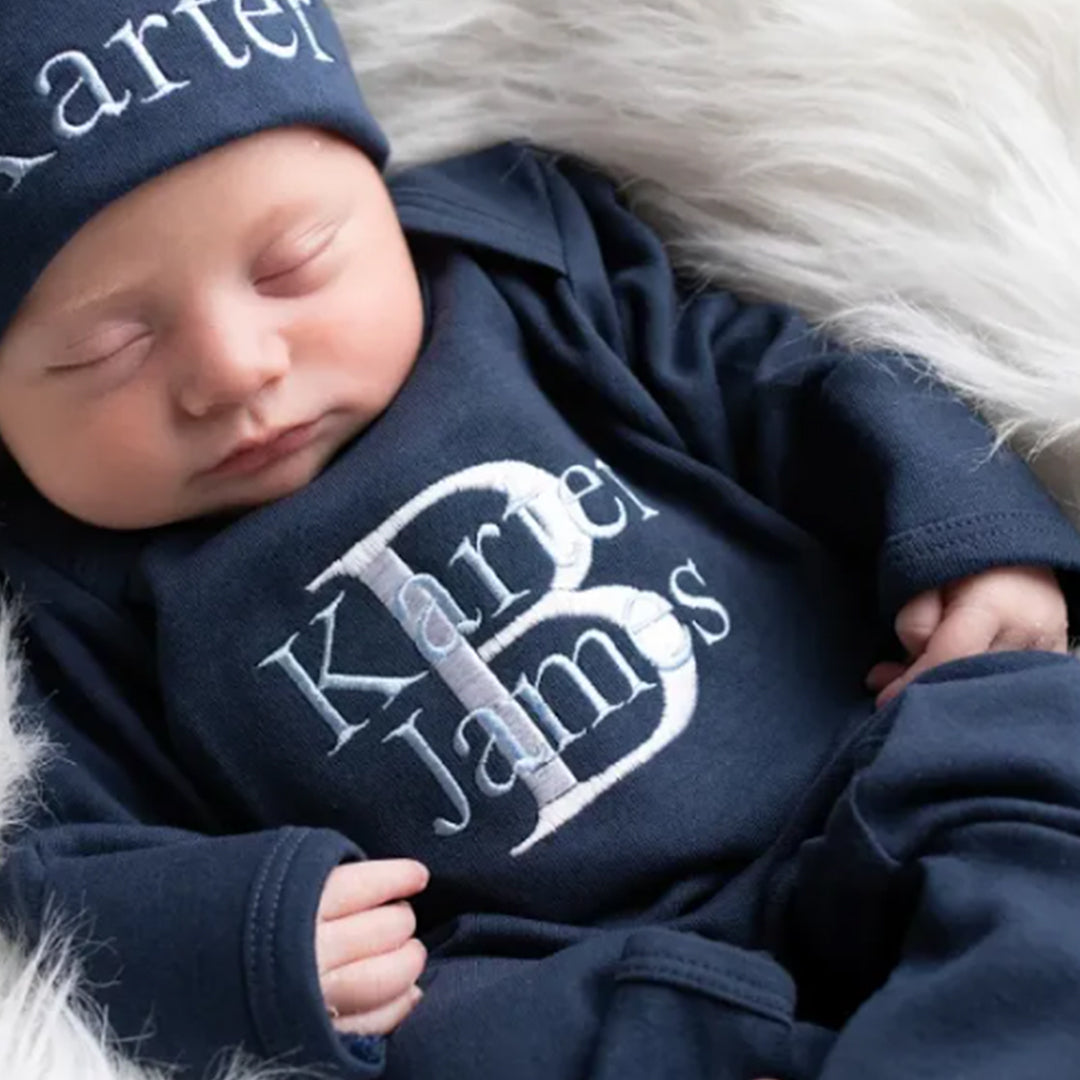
283	219
76	341
86	302
277	224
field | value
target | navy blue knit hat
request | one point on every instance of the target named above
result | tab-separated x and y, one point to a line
97	96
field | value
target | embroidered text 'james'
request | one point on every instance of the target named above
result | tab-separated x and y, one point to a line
516	734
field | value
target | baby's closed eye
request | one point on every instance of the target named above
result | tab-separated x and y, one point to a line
298	264
101	347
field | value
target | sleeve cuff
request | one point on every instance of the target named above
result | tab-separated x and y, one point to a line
279	956
932	555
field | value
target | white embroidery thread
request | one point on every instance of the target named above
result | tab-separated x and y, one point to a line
91	88
519	728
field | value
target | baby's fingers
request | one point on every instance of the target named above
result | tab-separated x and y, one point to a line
918	620
363	885
369	933
367	985
381	1021
881	675
965	631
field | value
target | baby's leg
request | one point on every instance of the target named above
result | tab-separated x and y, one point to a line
935	919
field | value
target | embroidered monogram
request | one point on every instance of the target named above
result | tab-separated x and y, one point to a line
79	97
16	169
633	647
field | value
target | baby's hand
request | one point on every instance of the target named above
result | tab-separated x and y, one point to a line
1013	607
367	956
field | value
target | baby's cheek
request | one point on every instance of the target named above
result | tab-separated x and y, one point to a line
367	354
118	465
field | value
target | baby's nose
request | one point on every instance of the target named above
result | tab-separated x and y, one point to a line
230	367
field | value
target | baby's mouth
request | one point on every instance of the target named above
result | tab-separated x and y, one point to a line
254	455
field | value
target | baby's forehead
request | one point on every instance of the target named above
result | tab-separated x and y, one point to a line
98	98
234	202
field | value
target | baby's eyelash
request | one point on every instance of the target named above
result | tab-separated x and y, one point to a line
291	269
318	241
94	362
76	365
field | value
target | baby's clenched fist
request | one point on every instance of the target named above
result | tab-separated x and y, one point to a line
367	957
1009	607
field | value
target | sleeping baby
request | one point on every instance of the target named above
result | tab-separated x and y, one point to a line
423	560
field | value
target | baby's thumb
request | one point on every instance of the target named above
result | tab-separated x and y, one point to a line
917	621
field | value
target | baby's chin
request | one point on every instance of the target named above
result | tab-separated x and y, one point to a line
255	492
151	502
189	502
278	481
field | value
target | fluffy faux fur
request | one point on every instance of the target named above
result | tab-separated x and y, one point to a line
904	170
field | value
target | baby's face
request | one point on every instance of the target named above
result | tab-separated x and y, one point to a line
211	340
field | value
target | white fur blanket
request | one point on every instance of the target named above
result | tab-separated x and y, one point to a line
908	171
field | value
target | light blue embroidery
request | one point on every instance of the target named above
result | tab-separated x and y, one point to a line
700	603
500	738
315	692
647	512
473	555
546	715
634	643
572	497
427	611
574	672
443	777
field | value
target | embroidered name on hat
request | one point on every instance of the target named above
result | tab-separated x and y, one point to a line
82	97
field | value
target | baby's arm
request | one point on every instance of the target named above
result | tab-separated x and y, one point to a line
882	466
211	940
367	956
1009	607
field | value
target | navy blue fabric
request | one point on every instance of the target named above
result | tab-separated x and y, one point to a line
915	918
370	1049
582	622
97	96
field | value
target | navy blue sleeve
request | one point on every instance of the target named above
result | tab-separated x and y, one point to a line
195	944
935	917
863	450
